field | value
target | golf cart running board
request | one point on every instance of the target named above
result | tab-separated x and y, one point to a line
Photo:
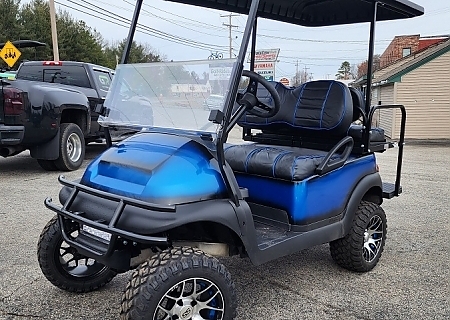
267	235
389	190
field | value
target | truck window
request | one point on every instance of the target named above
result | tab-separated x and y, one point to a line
102	80
69	75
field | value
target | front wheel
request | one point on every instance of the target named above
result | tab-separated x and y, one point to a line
64	267
180	283
71	147
361	248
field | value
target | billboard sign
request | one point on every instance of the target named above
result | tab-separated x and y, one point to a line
220	73
265	69
266	55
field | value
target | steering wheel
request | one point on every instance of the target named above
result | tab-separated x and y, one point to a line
254	105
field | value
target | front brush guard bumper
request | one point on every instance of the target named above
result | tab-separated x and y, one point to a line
107	253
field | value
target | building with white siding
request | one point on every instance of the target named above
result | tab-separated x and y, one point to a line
420	82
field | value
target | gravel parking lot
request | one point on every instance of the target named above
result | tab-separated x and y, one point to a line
410	282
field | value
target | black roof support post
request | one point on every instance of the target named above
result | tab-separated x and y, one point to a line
246	131
126	54
253	48
127	48
366	139
235	78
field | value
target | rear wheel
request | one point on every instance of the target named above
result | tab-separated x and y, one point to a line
180	283
72	147
64	267
48	165
361	248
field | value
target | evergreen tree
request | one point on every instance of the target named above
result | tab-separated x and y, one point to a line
345	72
10	28
76	40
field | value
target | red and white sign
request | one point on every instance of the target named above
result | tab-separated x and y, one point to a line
284	81
267	54
264	65
265	69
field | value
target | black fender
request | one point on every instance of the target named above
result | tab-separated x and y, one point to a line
44	104
150	222
47	105
369	182
60	100
48	99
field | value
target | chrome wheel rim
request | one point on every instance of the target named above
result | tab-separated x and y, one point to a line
373	237
74	147
191	299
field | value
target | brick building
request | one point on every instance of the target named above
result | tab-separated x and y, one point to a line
402	46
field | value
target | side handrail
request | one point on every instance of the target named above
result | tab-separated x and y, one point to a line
401	141
330	163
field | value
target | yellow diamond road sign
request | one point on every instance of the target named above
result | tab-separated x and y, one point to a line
10	54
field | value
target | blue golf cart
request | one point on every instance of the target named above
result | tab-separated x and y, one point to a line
171	198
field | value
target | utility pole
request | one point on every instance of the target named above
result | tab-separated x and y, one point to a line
54	32
230	27
297	80
306	74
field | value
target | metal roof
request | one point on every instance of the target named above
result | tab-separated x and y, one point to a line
315	13
25	44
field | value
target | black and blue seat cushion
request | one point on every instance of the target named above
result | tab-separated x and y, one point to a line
280	162
317	109
321	107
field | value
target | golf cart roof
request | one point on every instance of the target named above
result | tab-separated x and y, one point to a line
315	13
25	44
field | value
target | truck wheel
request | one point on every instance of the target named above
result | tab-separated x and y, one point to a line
72	147
48	165
64	267
180	283
361	248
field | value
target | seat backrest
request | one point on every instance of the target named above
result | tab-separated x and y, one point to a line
359	104
317	108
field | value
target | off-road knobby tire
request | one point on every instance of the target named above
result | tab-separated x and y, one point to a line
347	252
47	165
64	162
156	276
50	241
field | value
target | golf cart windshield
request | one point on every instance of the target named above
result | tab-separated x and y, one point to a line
168	95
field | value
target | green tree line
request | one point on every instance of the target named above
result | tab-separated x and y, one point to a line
76	40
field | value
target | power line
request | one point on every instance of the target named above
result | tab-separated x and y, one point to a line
150	31
148	28
174	22
182	17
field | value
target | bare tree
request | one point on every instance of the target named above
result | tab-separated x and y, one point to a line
362	67
300	77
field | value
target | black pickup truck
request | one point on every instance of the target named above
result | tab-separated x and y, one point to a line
52	109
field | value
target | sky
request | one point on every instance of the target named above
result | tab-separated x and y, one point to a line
180	32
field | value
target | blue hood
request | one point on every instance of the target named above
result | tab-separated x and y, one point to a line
158	168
